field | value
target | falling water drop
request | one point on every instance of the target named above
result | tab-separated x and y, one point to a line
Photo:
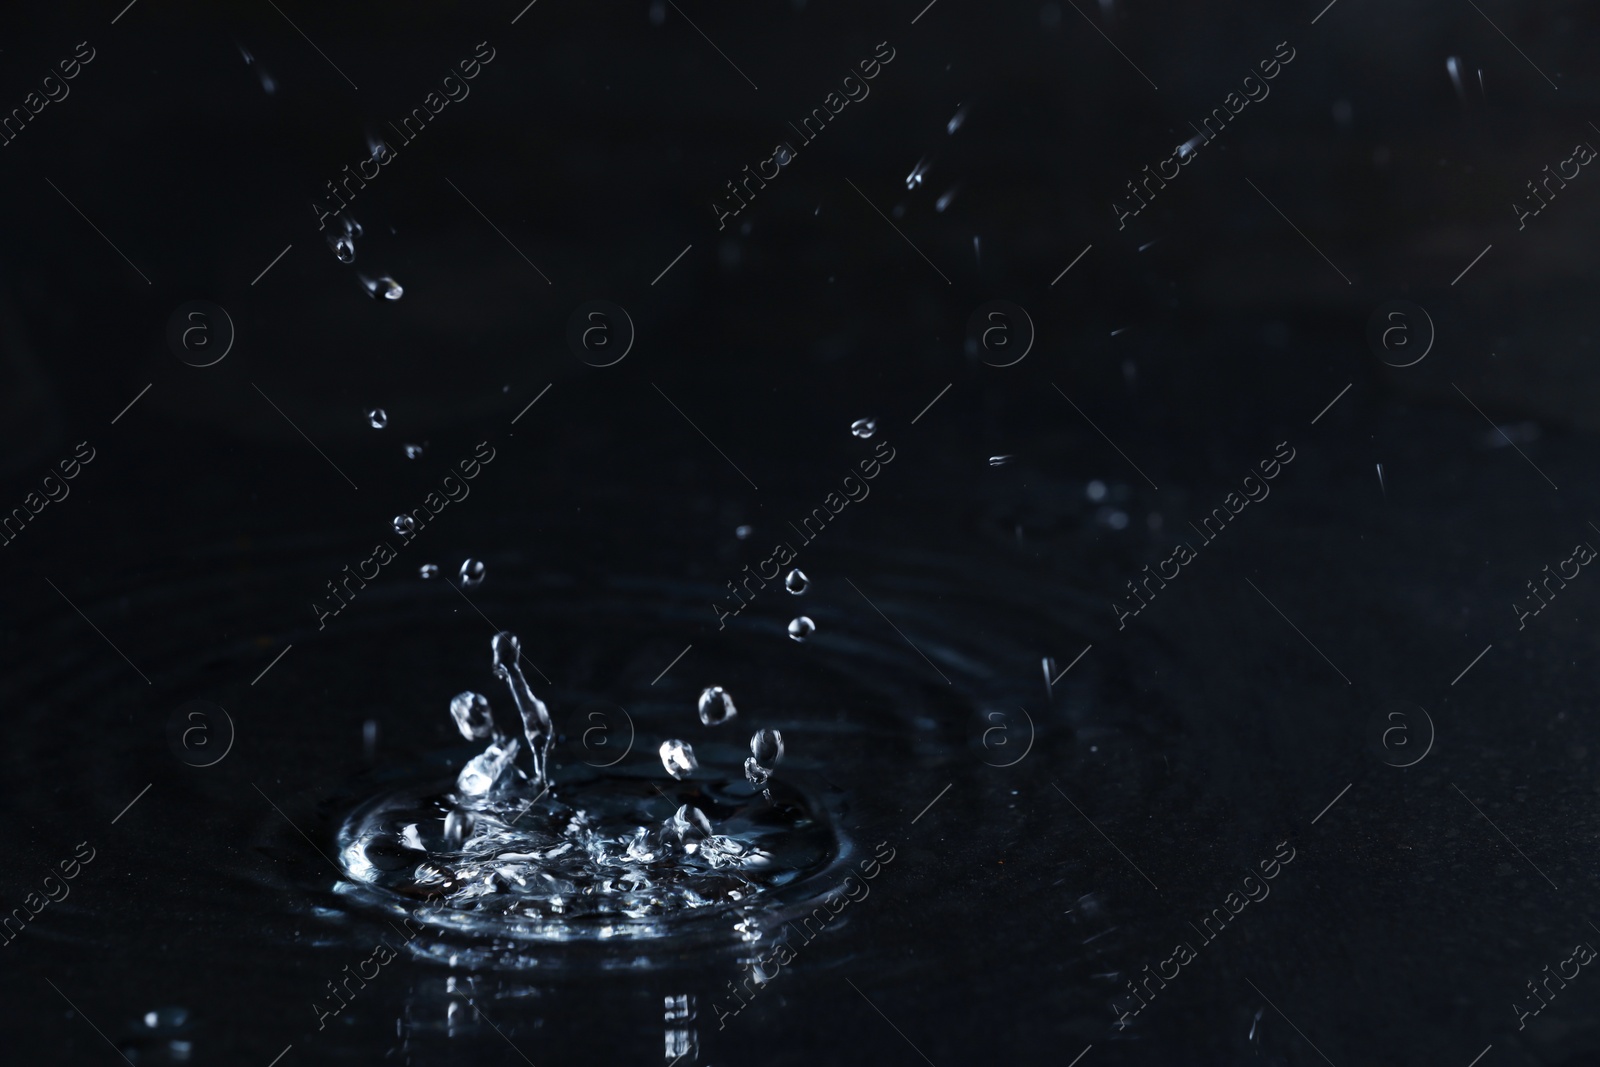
384	285
796	581
678	758
801	628
945	199
766	749
999	461
472	572
914	179
378	418
472	715
716	706
428	570
344	249
864	428
1452	66
413	451
404	525
743	532
1095	491
956	120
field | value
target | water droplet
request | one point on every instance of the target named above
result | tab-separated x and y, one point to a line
801	628
404	524
796	582
167	1018
378	417
383	285
1452	66
352	228
472	572
472	715
344	249
945	199
429	570
716	706
767	747
999	461
742	532
413	451
956	120
757	774
1095	490
914	179
678	758
864	428
458	826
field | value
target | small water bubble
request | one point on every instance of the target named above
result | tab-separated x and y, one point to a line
801	628
864	428
458	826
378	418
716	706
1095	490
428	570
472	572
678	758
999	461
404	525
743	532
413	451
472	715
796	581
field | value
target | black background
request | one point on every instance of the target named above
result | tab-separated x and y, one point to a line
1175	354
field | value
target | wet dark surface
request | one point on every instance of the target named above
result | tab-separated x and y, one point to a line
1345	684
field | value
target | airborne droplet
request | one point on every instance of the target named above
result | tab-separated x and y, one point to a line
678	758
716	706
802	628
472	715
864	428
796	582
378	418
472	572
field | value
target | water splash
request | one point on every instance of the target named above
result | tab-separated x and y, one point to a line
535	716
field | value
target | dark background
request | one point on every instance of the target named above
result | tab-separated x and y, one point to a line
1176	754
